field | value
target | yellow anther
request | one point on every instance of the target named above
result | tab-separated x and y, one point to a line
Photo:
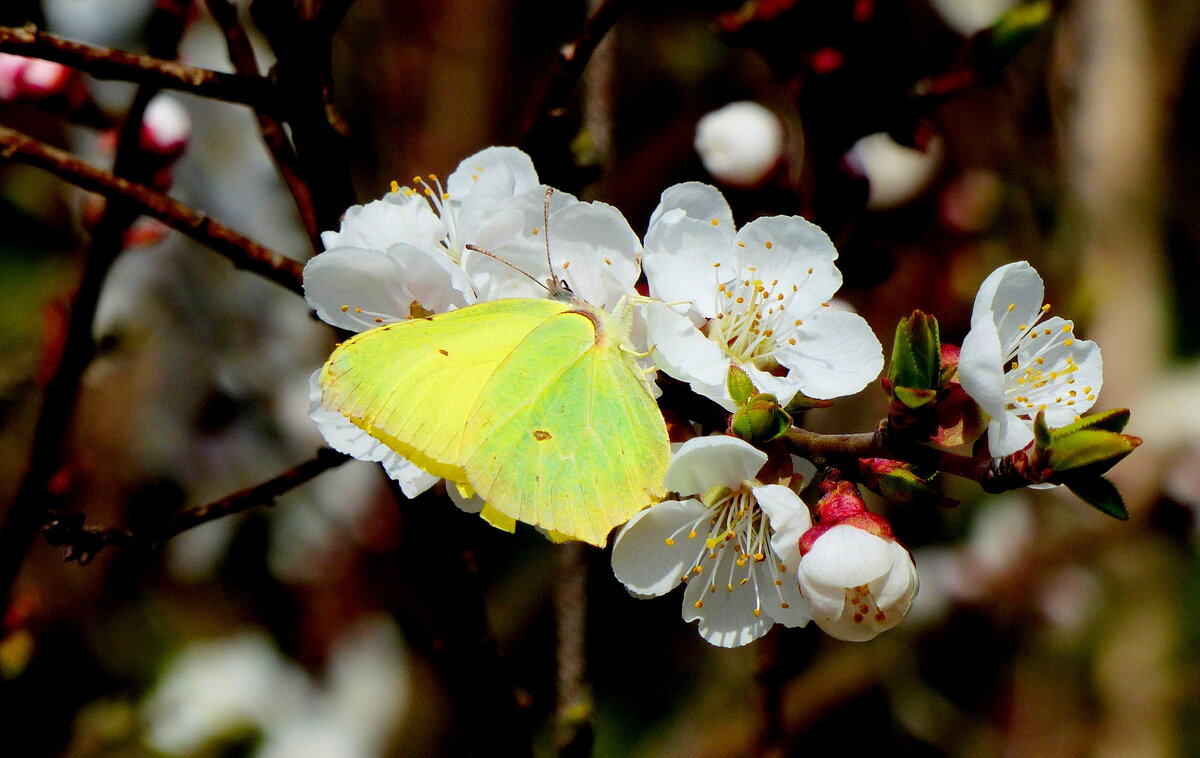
669	541
395	186
716	222
699	603
345	308
741	244
691	534
759	556
1068	342
757	612
1011	306
1046	308
784	605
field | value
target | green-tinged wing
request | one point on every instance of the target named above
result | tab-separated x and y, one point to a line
565	435
413	384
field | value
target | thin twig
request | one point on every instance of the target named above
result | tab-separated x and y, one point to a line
241	55
82	543
303	46
572	59
242	251
107	63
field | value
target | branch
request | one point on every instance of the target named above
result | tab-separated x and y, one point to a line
994	474
242	251
82	543
241	55
107	63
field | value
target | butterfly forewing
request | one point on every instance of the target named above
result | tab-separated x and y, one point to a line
413	384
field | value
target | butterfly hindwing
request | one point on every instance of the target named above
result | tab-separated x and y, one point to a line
579	446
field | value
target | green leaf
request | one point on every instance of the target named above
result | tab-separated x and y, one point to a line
1101	494
916	355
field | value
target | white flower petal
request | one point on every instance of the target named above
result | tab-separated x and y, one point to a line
784	249
686	260
382	223
726	617
1008	433
433	280
1017	285
836	354
702	463
783	601
790	519
641	558
846	556
680	349
981	368
343	436
596	252
366	279
896	594
697	200
484	182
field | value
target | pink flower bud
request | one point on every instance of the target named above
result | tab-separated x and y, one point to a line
11	69
166	127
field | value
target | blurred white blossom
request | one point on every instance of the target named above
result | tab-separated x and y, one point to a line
740	143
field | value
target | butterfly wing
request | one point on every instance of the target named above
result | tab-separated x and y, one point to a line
413	384
565	434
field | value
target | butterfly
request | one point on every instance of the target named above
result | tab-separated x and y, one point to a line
534	404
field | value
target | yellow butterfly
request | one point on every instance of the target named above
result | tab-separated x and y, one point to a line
531	403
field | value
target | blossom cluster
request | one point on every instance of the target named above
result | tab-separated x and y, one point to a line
755	301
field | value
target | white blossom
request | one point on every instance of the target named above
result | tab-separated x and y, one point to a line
1015	365
733	541
740	143
857	584
757	298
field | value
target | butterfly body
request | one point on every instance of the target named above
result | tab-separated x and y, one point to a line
531	403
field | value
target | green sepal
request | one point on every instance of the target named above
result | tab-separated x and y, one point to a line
741	388
760	418
914	398
1101	494
901	483
802	402
1085	448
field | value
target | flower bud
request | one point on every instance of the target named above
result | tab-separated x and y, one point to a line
761	418
740	143
166	127
899	483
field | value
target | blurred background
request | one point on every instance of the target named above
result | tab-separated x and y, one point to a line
933	140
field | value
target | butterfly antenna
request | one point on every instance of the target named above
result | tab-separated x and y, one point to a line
546	231
511	265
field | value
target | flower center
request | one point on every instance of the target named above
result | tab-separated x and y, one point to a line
736	551
1046	378
751	321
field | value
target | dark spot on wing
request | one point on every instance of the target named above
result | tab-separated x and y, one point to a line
443	352
541	435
